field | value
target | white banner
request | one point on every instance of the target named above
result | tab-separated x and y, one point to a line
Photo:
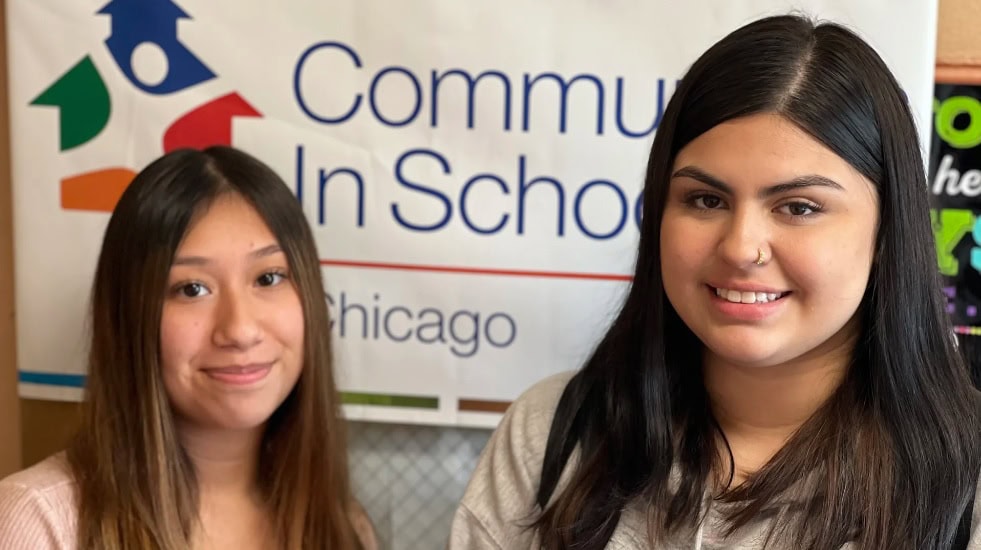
471	170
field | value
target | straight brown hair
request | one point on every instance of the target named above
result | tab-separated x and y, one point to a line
136	485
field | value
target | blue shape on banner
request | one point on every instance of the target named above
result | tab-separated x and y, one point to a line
136	22
52	379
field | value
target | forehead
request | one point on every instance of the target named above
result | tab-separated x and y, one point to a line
764	149
228	224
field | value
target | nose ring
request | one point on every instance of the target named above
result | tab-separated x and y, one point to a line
761	259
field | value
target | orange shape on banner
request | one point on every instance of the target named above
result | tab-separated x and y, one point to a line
95	191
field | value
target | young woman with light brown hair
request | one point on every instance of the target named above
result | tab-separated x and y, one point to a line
211	417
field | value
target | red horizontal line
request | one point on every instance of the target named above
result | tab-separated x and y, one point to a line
478	271
482	405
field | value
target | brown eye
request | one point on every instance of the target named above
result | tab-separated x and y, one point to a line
270	279
801	209
706	202
193	290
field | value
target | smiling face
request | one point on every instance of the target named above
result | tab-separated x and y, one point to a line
231	335
767	242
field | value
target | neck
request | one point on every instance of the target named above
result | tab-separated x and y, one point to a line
760	408
225	461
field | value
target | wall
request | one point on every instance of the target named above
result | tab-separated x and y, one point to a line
10	435
958	42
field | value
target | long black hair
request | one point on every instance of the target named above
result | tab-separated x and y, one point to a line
891	458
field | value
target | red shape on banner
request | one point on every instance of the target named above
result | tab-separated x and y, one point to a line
97	191
208	124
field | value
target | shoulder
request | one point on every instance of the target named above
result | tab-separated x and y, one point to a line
362	525
530	416
500	497
49	481
523	432
38	507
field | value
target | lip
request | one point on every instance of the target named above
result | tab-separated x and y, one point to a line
239	375
746	312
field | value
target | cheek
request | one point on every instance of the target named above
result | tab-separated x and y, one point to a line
834	268
294	326
288	324
666	242
180	337
177	337
685	247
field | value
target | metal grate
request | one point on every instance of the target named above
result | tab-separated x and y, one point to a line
410	479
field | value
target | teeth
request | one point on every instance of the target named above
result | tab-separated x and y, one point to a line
738	297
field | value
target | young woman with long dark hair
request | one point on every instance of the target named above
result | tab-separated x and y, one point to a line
782	373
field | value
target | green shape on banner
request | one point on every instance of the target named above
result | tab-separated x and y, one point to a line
83	100
377	399
945	114
948	230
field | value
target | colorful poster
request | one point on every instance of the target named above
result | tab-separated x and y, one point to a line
955	183
472	171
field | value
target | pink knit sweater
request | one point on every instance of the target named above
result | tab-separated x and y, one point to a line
38	509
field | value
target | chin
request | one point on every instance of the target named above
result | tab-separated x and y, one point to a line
758	354
243	422
244	416
750	360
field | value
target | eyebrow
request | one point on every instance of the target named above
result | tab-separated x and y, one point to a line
800	182
268	250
